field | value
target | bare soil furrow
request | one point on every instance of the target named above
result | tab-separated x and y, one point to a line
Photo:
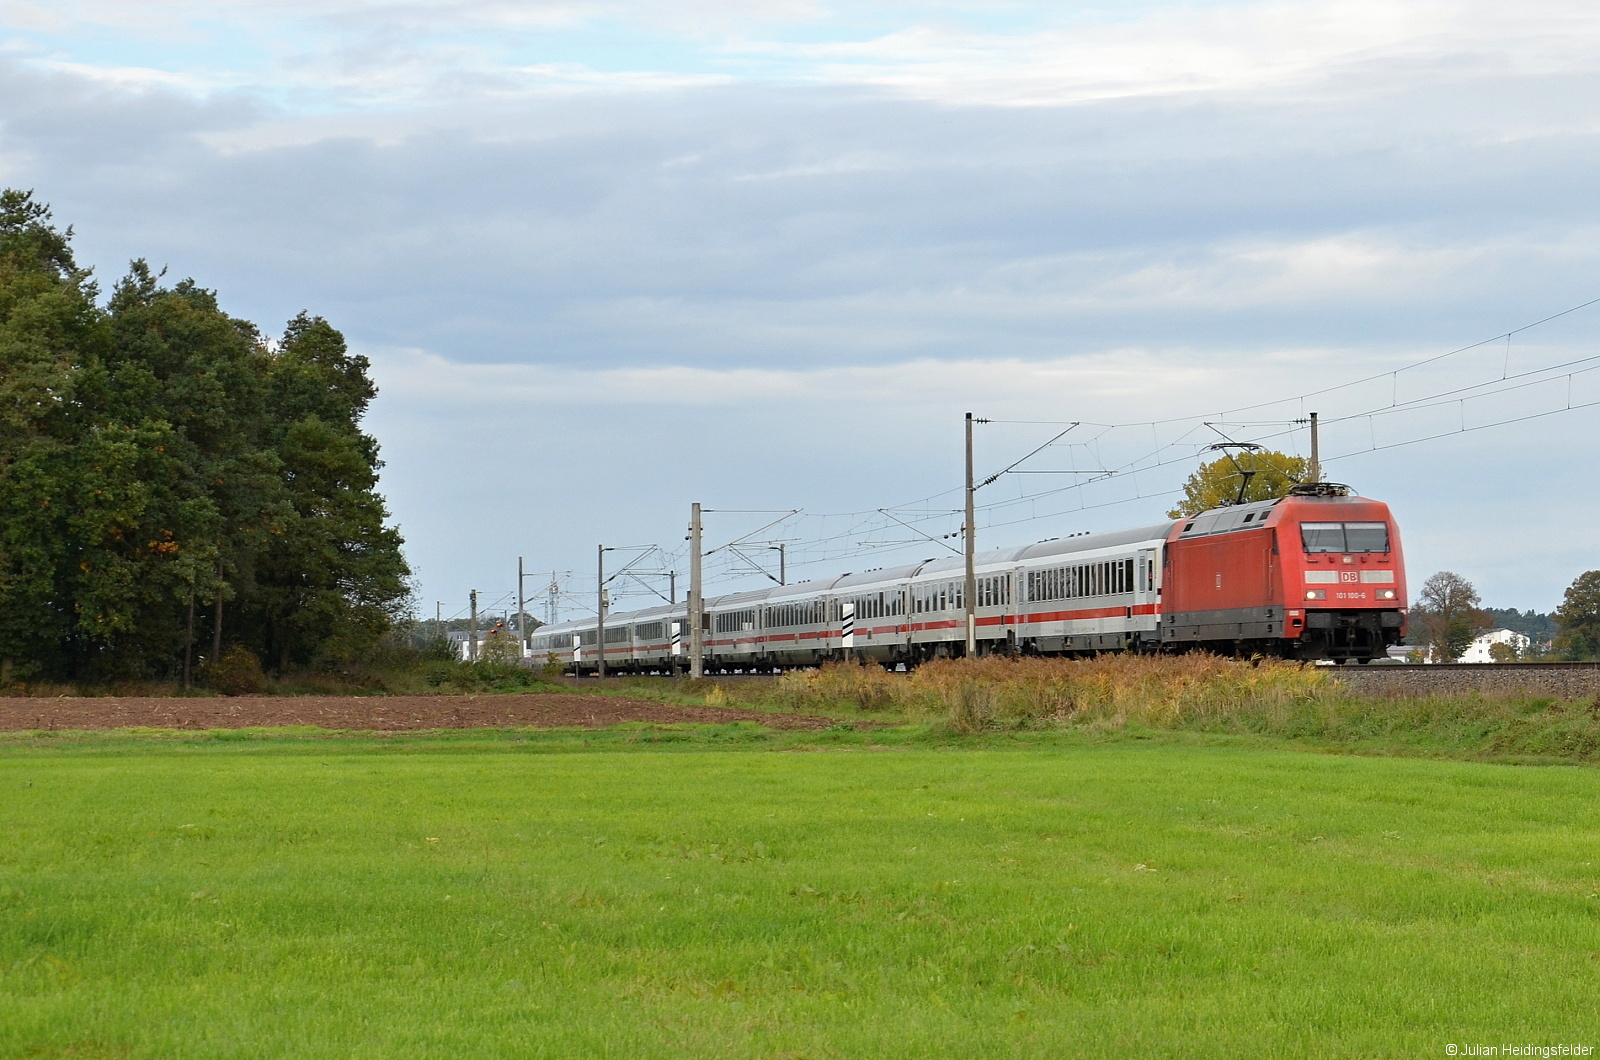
377	713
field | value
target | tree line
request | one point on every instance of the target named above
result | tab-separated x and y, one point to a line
174	483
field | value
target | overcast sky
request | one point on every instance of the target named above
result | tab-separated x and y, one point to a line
609	258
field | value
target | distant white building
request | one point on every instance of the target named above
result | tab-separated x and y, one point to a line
1478	650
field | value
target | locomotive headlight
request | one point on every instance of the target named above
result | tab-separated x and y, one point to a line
1316	594
1386	594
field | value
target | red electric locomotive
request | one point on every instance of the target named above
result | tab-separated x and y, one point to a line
1314	575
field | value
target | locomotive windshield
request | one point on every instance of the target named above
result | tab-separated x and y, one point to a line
1345	537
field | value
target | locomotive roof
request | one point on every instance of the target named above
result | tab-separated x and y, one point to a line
1228	517
1234	516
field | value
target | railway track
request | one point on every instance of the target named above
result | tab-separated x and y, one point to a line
1491	667
1560	680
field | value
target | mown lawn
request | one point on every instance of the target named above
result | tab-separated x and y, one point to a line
346	898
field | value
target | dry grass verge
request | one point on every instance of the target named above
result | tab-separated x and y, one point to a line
972	694
1204	693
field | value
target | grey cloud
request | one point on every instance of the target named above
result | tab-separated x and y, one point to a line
720	225
810	226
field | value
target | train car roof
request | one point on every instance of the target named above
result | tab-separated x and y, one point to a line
810	587
877	576
653	611
944	565
748	598
1090	542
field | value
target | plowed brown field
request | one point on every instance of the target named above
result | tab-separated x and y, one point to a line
382	713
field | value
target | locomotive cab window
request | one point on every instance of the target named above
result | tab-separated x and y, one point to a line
1366	537
1345	537
1322	537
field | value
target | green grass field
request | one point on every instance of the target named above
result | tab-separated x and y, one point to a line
487	898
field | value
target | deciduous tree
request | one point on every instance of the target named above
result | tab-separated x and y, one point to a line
331	576
1579	618
1271	474
50	335
1448	616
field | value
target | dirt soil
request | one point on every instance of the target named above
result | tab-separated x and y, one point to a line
381	713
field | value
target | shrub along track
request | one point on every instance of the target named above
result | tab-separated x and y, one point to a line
370	713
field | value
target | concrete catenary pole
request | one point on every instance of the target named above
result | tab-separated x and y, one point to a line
600	609
972	556
696	602
522	605
472	629
1314	472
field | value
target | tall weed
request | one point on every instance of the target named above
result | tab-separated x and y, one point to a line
834	684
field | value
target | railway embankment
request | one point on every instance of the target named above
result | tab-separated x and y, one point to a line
1557	680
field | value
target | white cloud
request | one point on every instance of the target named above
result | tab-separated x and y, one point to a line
1370	266
1245	47
1039	385
31	17
416	53
129	78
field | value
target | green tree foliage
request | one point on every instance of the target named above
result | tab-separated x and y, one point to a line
1503	653
1579	618
159	459
501	647
1448	616
1217	483
49	329
331	573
